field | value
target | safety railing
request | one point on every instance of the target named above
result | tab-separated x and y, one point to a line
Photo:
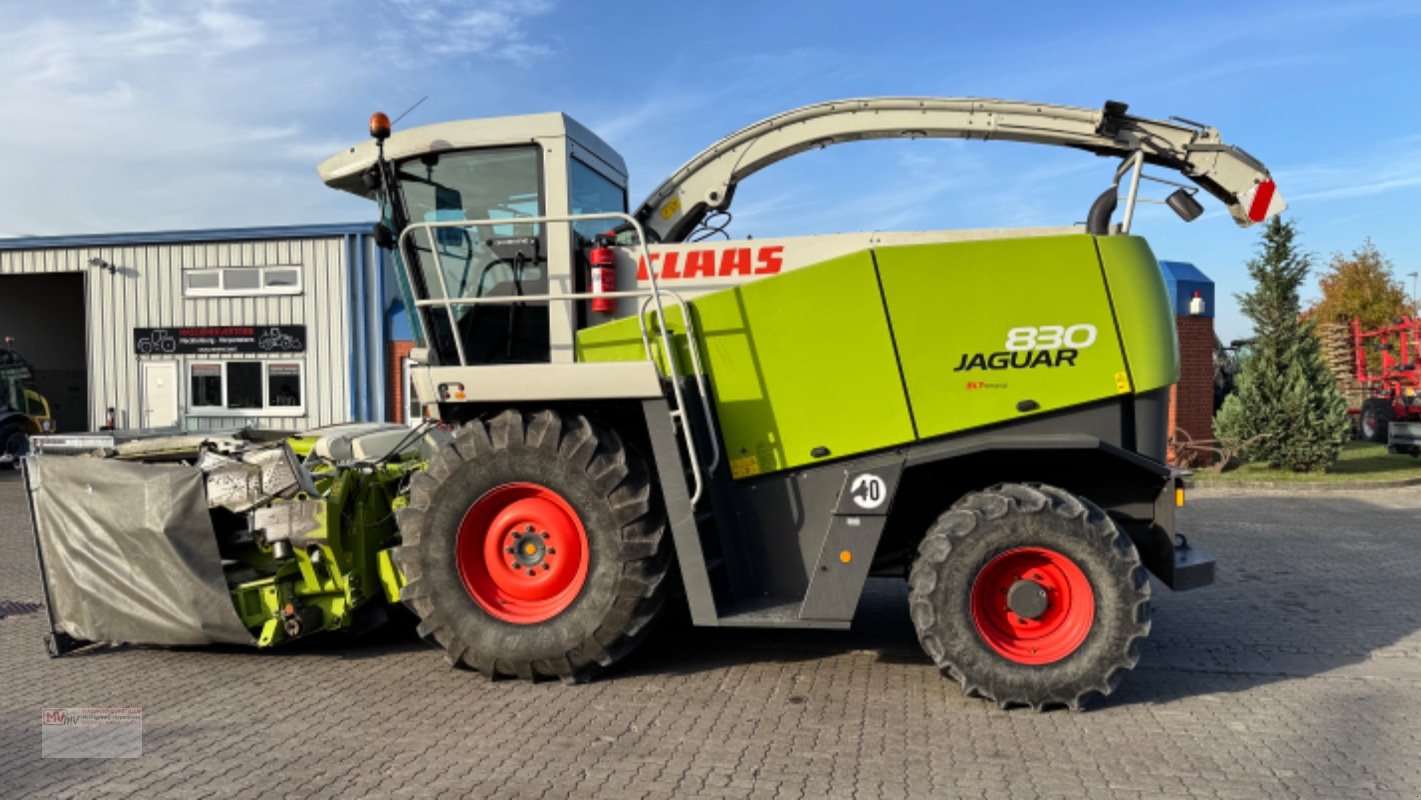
651	296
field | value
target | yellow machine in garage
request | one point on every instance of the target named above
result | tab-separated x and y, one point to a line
23	411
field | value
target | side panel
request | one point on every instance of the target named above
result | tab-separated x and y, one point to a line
1141	301
994	331
797	362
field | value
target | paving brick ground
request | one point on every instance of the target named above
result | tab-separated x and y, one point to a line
1298	674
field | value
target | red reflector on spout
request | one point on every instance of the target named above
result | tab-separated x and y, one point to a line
1262	199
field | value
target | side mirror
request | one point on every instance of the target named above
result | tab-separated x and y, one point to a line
371	178
1184	205
384	237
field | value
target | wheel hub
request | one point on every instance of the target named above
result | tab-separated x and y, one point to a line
528	548
1027	599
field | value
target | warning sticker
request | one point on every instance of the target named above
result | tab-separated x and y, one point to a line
744	467
1122	383
669	210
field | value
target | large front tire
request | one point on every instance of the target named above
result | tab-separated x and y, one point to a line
14	441
1029	595
534	545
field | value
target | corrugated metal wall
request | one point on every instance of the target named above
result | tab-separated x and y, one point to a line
147	291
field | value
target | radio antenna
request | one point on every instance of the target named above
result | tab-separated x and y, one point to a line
408	110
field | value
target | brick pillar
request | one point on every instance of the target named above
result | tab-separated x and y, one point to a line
398	352
1191	401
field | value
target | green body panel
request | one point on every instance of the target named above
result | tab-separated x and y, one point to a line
1142	309
985	331
797	362
951	303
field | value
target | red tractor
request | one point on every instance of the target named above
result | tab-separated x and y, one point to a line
1392	415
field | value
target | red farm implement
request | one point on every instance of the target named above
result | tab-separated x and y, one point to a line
1391	413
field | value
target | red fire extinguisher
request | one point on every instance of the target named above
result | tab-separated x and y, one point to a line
604	275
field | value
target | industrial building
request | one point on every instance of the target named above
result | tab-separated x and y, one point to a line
283	327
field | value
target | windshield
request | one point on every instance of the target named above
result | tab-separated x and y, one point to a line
484	261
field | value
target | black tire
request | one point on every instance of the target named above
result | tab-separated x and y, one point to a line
628	552
984	525
1377	415
14	440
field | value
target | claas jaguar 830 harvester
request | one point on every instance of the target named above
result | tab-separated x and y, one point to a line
763	424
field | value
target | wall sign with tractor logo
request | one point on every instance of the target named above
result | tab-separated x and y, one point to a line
219	340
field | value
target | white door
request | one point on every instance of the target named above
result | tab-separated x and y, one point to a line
160	394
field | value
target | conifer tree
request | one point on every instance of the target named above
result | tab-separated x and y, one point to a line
1288	411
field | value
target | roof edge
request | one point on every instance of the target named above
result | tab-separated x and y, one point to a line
185	236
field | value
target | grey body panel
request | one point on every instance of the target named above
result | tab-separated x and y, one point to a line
129	553
784	518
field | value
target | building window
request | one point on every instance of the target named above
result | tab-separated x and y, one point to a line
283	385
246	388
242	281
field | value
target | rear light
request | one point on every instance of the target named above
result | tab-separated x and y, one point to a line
452	391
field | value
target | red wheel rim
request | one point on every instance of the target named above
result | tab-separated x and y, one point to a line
522	553
1055	605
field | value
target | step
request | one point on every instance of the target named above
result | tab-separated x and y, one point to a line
774	612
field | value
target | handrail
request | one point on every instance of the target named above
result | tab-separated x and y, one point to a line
700	373
652	295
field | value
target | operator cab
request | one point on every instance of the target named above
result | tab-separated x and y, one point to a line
504	168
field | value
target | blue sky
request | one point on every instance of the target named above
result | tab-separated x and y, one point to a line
181	114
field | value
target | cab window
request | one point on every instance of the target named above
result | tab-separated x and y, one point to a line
504	260
593	193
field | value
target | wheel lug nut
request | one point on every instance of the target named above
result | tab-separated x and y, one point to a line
528	528
552	551
513	550
532	572
544	534
546	566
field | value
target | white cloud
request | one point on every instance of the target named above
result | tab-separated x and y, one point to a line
1392	166
178	114
501	29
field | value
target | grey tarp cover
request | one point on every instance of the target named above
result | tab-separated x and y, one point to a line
130	554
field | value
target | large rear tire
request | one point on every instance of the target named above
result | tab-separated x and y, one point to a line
534	545
1029	595
1377	416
